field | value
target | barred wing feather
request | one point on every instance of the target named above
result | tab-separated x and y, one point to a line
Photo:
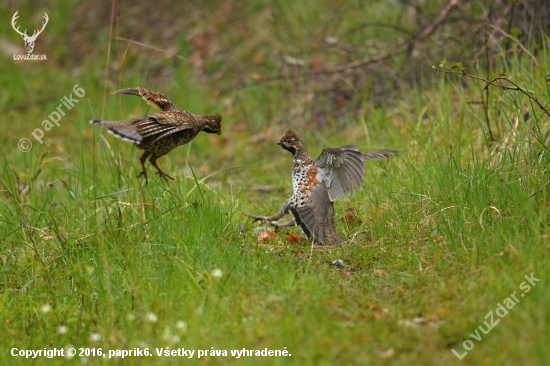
341	169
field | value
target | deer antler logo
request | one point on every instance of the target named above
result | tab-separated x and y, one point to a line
29	41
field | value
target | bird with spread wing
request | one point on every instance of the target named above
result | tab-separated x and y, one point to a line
318	183
159	133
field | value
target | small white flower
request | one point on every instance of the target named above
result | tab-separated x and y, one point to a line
181	325
142	344
95	337
216	273
45	309
169	337
151	317
68	355
62	329
173	340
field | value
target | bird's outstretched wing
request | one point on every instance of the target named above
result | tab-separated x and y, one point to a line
156	100
162	124
342	170
159	125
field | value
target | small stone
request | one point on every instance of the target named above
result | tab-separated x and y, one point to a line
338	262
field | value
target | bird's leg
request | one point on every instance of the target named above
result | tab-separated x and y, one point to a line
286	224
142	159
160	172
270	219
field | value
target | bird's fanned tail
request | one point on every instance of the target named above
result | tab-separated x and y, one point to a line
381	154
124	130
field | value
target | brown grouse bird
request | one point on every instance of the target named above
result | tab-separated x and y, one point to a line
318	183
158	133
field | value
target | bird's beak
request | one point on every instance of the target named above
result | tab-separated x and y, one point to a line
279	143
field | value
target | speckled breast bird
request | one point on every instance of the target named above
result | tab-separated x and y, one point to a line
318	183
157	134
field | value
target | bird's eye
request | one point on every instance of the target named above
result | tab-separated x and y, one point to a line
215	125
288	141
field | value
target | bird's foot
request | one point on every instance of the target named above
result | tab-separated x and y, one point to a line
144	174
271	220
286	224
258	218
164	175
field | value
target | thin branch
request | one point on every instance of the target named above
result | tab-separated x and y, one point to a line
377	25
407	47
105	83
310	74
427	31
130	42
497	82
515	40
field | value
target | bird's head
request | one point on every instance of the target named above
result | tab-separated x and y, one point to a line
291	142
213	124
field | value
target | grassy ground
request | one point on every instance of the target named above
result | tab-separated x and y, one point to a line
93	259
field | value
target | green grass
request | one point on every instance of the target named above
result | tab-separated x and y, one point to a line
91	257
